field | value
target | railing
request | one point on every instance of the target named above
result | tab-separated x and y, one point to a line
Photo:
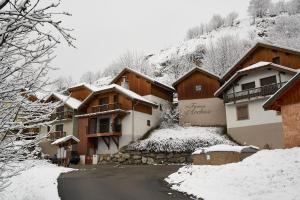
62	115
104	128
106	107
254	92
56	135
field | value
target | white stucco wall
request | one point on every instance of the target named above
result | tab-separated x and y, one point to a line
257	115
202	112
68	126
156	112
140	128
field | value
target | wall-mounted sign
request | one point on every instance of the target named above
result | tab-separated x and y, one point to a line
195	109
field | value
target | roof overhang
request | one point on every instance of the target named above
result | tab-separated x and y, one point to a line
157	83
245	71
270	104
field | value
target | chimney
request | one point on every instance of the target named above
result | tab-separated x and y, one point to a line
124	82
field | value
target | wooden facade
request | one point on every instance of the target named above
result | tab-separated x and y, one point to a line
268	53
144	85
187	87
80	93
287	101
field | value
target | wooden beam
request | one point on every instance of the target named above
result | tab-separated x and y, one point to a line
107	142
116	140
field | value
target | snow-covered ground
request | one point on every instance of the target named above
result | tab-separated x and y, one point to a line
181	139
37	180
268	175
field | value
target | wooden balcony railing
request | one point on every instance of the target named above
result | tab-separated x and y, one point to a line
62	115
104	128
254	92
106	107
54	135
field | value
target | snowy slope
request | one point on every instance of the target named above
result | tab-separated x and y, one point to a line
243	30
181	139
268	175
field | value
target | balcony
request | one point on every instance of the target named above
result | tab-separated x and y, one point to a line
106	107
54	135
62	115
252	93
104	130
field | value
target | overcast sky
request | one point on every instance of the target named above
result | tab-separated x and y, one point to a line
105	29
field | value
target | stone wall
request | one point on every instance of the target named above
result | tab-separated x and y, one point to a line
146	158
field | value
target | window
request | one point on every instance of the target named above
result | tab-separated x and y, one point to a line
276	60
198	88
160	107
268	81
242	112
148	123
59	127
247	86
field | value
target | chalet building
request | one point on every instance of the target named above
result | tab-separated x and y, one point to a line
287	101
65	121
114	115
196	100
244	94
284	56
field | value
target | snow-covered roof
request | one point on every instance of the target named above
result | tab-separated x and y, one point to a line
121	90
253	67
281	91
192	71
156	82
65	139
88	86
253	48
103	81
225	148
69	101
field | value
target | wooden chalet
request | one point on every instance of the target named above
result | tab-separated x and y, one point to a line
287	101
196	100
285	56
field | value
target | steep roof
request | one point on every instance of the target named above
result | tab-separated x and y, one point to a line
67	100
255	47
90	87
195	69
134	96
155	82
253	67
281	91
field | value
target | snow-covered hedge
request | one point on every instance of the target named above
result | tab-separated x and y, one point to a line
181	139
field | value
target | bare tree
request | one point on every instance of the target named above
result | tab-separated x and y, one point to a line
131	59
88	77
216	22
223	53
28	35
259	8
62	83
230	18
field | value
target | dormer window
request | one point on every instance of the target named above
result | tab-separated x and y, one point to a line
276	60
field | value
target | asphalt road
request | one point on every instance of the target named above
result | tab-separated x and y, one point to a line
118	183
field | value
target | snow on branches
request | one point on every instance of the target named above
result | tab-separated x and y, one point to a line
28	35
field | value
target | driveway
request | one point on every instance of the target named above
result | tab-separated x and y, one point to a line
107	182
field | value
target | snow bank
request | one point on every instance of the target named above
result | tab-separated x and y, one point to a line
181	139
37	180
268	175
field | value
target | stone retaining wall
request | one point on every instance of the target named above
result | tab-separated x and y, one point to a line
145	157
